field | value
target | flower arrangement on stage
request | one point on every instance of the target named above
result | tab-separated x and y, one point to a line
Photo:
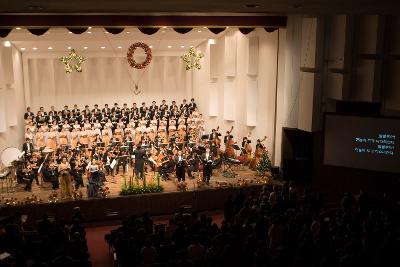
77	194
181	186
10	201
136	189
192	59
131	53
72	62
53	197
222	184
32	200
104	192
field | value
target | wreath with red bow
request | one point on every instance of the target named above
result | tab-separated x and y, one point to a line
131	52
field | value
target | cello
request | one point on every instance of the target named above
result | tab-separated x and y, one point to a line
229	151
257	155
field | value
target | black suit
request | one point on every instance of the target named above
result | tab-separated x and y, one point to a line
180	168
207	166
27	147
140	156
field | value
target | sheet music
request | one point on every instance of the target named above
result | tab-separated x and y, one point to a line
113	163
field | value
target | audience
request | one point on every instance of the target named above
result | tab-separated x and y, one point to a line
278	227
50	243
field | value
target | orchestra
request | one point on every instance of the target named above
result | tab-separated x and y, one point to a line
66	145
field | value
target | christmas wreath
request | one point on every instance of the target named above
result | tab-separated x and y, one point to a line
131	52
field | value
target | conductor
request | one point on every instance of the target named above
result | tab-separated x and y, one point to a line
207	160
140	155
180	166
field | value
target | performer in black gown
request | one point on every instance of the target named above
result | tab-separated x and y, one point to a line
207	159
140	156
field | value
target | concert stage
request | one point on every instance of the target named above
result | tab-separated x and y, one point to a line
115	206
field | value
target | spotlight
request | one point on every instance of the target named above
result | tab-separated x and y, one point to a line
150	46
69	48
89	32
102	47
18	28
198	31
169	46
7	44
85	47
34	48
119	47
22	48
50	48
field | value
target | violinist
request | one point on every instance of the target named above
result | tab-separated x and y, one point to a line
77	172
50	174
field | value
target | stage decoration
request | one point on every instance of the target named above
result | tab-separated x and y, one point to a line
136	189
72	62
181	186
192	59
77	194
10	201
53	197
264	165
104	192
131	52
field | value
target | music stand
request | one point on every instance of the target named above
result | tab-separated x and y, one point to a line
100	144
205	136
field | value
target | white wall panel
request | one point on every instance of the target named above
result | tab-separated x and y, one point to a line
229	99
3	110
213	100
11	104
252	65
214	62
251	103
230	54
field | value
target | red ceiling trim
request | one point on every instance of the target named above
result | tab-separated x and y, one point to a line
7	21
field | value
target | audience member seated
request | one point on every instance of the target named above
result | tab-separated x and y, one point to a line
50	243
278	227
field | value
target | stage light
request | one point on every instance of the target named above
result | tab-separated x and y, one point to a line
34	48
191	46
169	46
85	47
90	28
182	46
128	32
150	46
89	32
69	48
102	47
22	48
50	48
164	27
18	28
7	44
211	41
198	31
119	47
69	32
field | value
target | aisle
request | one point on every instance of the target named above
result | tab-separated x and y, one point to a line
98	248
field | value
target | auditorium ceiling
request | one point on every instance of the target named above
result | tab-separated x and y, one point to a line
97	39
203	6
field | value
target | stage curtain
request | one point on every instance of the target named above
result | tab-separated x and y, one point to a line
105	80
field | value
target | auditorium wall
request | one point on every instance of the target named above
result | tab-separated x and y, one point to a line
11	98
239	85
105	78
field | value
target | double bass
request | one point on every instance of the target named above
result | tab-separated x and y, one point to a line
257	155
249	150
229	150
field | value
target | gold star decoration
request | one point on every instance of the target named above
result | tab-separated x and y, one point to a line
192	59
73	62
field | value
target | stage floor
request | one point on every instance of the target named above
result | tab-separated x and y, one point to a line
244	176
